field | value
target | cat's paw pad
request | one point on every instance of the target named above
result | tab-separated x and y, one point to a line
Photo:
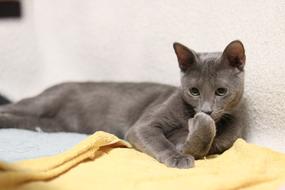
202	123
180	161
202	131
203	119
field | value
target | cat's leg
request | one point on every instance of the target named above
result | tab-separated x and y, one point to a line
33	113
35	106
151	140
202	131
45	104
33	123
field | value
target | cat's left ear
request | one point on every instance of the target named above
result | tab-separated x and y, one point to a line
235	54
186	57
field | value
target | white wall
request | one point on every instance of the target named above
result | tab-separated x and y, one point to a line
132	40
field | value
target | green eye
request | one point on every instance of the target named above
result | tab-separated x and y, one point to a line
221	91
194	91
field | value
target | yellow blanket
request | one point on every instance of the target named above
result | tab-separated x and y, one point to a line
102	161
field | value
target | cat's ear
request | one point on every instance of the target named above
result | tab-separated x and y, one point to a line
235	54
185	56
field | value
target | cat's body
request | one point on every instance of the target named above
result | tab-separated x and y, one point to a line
164	121
86	107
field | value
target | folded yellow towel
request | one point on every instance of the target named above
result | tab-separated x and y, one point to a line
102	161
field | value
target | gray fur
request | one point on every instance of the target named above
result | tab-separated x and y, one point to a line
163	121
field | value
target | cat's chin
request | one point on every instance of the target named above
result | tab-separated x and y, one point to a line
216	117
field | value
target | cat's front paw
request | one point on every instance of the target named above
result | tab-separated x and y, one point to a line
180	161
202	130
202	120
202	125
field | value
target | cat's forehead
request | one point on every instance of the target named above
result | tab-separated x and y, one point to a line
208	67
206	63
208	58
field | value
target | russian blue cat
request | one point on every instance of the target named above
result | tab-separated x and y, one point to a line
174	125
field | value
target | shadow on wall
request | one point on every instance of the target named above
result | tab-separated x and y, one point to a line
245	117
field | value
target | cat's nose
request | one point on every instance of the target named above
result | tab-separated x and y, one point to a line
207	108
208	112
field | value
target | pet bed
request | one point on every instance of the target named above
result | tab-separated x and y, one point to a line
102	161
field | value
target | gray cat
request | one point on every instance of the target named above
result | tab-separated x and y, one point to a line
172	124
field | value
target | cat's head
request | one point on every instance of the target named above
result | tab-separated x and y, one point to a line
212	82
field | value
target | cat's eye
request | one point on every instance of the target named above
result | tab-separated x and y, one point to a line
194	91
221	91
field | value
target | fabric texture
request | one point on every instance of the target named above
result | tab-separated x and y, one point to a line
20	144
102	161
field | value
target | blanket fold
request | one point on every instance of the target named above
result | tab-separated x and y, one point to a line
102	161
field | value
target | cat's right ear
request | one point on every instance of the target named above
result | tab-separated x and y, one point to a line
185	56
235	54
